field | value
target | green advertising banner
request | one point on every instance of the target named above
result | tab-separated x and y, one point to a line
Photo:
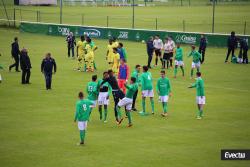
139	35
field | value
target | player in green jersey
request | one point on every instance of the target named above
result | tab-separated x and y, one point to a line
179	60
200	94
104	90
91	90
83	108
127	101
136	75
196	60
147	89
163	88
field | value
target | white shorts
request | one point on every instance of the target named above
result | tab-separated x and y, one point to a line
82	125
163	98
0	77
200	99
127	102
179	63
103	98
196	65
147	93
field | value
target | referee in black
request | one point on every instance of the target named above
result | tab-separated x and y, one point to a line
116	91
47	66
15	54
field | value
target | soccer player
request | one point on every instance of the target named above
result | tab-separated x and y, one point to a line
202	47
200	94
147	89
109	55
196	60
80	53
178	60
90	56
122	52
128	100
116	60
123	75
158	45
83	109
163	88
115	43
92	91
168	47
1	67
104	89
136	74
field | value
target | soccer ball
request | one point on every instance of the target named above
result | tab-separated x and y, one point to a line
142	41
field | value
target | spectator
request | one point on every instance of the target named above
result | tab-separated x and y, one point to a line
15	54
243	50
25	66
71	43
47	66
202	48
150	50
231	45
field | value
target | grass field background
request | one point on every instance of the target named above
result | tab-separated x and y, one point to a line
37	129
195	18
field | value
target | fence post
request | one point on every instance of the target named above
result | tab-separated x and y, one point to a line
107	21
156	23
14	17
20	10
37	16
40	20
181	3
183	25
245	27
189	2
82	19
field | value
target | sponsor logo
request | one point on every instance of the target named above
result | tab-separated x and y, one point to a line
235	154
92	32
63	30
185	39
123	35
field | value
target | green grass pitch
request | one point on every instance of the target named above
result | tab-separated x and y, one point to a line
37	128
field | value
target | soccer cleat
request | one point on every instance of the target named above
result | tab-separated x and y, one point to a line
164	114
153	113
134	109
81	143
130	125
198	117
120	121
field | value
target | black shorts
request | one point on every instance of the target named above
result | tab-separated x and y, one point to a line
168	56
158	52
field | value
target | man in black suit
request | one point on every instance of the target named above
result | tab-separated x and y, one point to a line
231	45
25	66
47	66
15	54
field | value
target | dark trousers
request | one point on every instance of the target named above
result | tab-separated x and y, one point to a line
158	54
134	99
117	95
16	64
72	50
150	56
245	57
228	53
48	80
25	76
202	52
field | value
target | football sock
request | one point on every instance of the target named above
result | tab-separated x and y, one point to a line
165	107
105	113
94	65
201	113
119	112
175	71
198	69
152	105
100	111
156	60
129	117
143	104
82	135
182	69
192	72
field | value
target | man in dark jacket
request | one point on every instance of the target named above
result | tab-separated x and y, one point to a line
47	66
25	66
231	45
150	50
202	48
71	42
15	54
243	50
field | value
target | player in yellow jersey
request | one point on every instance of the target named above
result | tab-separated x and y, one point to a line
80	53
90	56
115	43
116	61
109	55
